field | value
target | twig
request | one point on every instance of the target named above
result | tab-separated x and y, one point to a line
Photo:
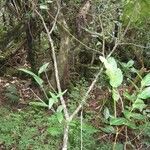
103	45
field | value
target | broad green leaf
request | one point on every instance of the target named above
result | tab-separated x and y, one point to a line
130	124
60	108
117	121
28	72
138	104
37	79
130	63
106	113
112	62
49	1
138	116
54	96
51	101
44	7
115	76
115	94
145	94
108	129
127	114
127	65
109	63
133	115
146	81
59	116
43	68
132	97
38	104
106	64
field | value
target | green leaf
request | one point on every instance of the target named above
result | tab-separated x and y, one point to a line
89	129
43	68
145	94
55	131
108	129
115	94
112	62
146	81
43	7
51	101
59	113
130	63
106	113
132	97
117	121
37	79
49	1
130	124
60	108
136	116
127	114
59	116
61	94
138	104
115	76
54	96
38	104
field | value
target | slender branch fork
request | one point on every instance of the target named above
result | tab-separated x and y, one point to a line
68	118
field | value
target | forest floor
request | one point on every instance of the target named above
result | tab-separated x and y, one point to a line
24	127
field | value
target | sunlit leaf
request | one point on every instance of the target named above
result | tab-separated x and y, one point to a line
145	94
59	116
60	108
146	81
139	104
51	101
115	94
43	68
115	76
44	7
130	63
112	62
37	79
62	93
53	96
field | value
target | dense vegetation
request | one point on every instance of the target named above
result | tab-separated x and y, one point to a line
74	74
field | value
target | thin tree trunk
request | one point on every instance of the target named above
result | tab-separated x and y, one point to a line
65	138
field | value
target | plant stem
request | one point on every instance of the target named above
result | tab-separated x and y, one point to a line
65	138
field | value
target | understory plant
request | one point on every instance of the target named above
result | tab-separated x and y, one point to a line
133	106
